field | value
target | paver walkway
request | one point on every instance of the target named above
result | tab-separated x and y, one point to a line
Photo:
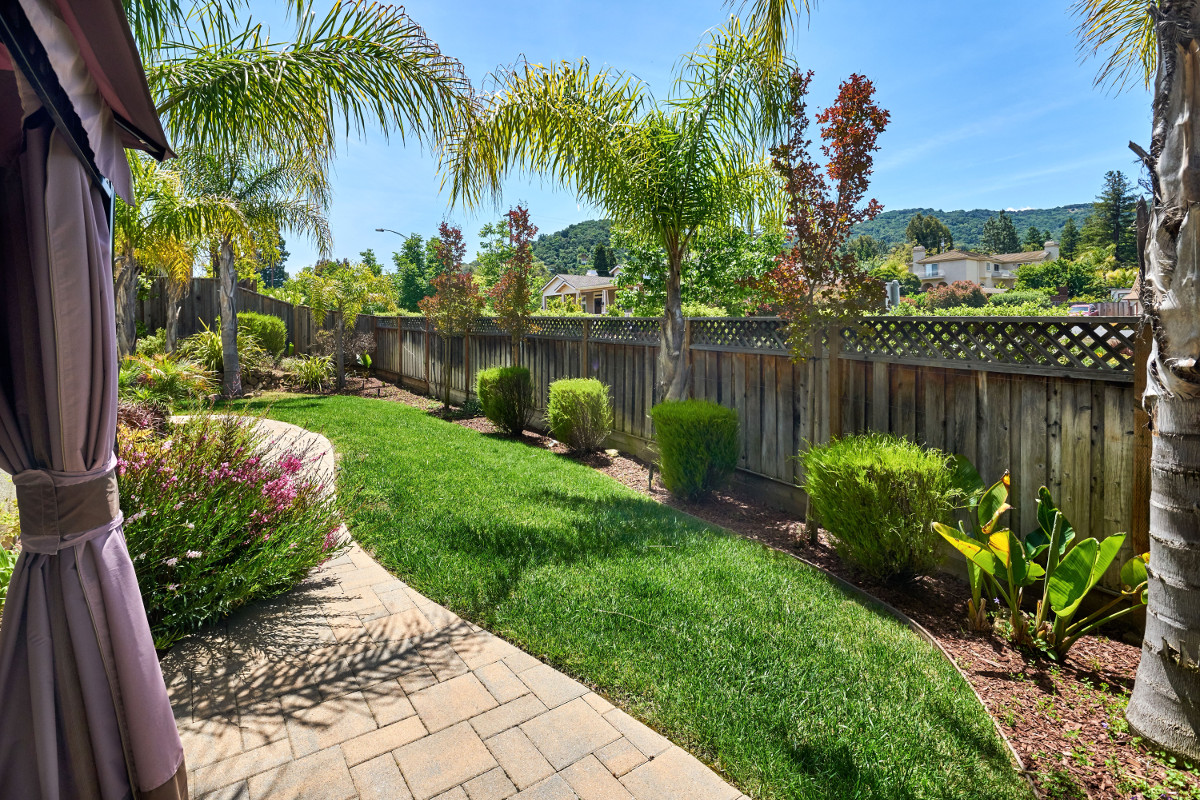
354	685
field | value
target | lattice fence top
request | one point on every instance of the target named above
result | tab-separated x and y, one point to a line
487	326
733	333
630	330
1081	346
386	322
412	323
570	328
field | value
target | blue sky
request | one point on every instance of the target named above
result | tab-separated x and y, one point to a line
991	107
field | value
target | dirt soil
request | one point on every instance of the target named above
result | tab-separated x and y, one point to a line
1065	720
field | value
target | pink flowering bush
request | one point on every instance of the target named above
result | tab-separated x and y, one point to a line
217	514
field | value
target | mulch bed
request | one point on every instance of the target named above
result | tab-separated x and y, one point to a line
1065	720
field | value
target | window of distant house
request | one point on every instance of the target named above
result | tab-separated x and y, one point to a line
930	270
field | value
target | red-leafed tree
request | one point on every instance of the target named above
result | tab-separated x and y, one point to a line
456	303
512	296
817	282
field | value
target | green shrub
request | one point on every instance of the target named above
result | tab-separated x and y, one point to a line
876	496
1020	297
205	349
163	381
269	330
697	445
155	345
310	373
212	523
579	413
506	395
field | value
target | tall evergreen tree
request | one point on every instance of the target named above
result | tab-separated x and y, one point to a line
1112	221
602	260
414	251
410	285
1035	239
1000	235
1068	240
370	261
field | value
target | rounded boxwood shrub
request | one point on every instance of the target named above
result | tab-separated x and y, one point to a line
579	413
697	445
876	495
269	330
506	395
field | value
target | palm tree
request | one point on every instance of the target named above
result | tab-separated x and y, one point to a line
1144	41
225	92
665	171
239	203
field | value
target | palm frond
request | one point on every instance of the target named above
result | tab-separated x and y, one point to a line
771	22
361	65
1122	34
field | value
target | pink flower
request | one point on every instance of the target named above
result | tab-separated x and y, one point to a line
191	526
170	562
193	553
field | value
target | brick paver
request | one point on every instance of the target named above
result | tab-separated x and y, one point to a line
354	685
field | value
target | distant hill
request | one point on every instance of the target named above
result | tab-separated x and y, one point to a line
560	250
967	226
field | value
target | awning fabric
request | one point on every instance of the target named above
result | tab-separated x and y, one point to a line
84	711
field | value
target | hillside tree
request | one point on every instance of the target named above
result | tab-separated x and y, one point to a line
603	260
1035	239
929	232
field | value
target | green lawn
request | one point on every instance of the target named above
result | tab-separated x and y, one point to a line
747	658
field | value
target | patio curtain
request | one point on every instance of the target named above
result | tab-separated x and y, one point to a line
84	711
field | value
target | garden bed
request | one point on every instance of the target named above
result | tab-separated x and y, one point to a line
1066	721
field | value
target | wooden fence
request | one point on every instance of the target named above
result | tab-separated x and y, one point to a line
1050	399
201	306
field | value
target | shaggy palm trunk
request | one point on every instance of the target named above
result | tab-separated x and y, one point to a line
672	372
175	295
231	380
1165	704
125	283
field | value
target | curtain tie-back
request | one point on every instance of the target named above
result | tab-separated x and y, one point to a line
63	509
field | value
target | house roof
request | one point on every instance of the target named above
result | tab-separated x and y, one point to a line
582	281
998	258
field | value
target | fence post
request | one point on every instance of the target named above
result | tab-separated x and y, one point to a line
428	347
585	367
835	381
1139	526
685	354
467	363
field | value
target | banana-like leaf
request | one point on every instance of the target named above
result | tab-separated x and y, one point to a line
977	553
1133	573
1045	514
964	476
1079	571
992	504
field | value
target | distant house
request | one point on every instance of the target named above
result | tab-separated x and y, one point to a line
595	293
995	273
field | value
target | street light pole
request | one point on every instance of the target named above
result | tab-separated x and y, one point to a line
389	230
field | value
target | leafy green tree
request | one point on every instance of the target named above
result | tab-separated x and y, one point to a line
349	291
413	251
665	170
889	271
1081	278
494	253
367	259
603	260
1068	240
1112	221
410	284
929	232
866	249
1000	235
559	250
272	272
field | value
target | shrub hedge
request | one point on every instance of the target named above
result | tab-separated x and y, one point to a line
506	395
697	445
579	413
268	329
875	495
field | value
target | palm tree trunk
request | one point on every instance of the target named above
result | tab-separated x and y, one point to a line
232	379
340	350
175	295
672	372
125	290
1165	704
